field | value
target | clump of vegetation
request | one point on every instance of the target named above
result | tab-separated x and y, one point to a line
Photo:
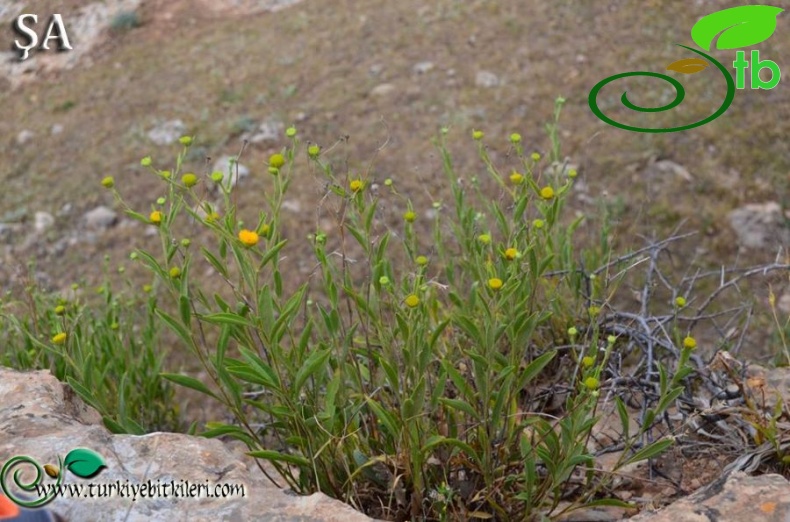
108	350
125	21
448	375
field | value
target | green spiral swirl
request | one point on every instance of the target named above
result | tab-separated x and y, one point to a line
29	487
680	94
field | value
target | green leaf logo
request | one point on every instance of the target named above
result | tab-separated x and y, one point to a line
84	463
739	27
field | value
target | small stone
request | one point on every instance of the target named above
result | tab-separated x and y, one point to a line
375	69
229	170
382	89
56	129
24	136
43	221
423	67
100	218
487	79
268	131
760	225
167	133
663	168
292	205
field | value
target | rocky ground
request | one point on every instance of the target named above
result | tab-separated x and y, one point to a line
144	72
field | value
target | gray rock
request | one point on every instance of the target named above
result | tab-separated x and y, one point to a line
24	136
56	129
167	133
760	225
382	89
43	419
100	218
268	131
667	168
732	498
43	221
229	170
292	205
487	79
559	170
423	67
86	23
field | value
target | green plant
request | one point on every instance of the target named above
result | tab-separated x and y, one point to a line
125	21
109	353
408	388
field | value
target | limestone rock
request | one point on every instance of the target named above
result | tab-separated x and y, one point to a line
735	498
270	130
42	418
423	67
100	218
43	221
24	136
760	225
487	79
382	89
229	170
167	133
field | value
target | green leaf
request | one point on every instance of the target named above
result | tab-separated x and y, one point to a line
267	375
222	345
649	451
185	307
623	413
271	253
115	427
738	26
189	382
219	430
436	440
276	456
84	393
460	405
84	463
534	368
216	263
469	329
386	418
313	363
459	380
139	217
221	303
667	400
381	251
227	318
174	325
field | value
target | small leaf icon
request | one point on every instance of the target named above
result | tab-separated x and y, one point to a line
739	26
51	470
688	65
84	463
